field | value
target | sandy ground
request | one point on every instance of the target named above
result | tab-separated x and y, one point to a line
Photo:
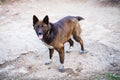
22	54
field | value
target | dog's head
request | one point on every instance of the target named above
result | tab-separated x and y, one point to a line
41	26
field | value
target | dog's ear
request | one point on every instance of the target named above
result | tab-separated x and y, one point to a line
46	20
35	20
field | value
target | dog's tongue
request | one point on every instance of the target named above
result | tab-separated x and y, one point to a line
40	36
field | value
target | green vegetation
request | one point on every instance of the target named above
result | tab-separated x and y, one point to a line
108	76
2	0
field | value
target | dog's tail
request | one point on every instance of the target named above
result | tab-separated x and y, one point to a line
79	18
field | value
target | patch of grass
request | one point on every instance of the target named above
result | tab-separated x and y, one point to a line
108	76
7	1
2	0
98	78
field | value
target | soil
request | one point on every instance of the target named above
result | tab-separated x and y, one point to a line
22	54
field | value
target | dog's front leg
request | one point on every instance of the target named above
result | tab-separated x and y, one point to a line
61	55
51	51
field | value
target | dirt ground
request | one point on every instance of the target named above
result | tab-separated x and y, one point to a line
22	54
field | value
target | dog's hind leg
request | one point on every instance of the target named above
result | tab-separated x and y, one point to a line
79	39
51	51
71	45
71	42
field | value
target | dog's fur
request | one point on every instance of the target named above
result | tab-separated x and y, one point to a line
56	34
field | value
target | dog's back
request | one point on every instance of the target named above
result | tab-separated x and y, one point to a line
68	26
70	18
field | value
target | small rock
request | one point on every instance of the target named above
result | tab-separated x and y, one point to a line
78	69
113	64
49	67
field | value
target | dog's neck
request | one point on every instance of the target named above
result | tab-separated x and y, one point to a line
50	34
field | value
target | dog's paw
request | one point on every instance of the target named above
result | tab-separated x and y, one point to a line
61	69
48	62
83	52
69	50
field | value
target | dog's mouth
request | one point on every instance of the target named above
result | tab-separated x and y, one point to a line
40	36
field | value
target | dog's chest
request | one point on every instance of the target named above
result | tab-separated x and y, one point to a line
48	46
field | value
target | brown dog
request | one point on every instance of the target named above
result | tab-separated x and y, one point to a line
54	35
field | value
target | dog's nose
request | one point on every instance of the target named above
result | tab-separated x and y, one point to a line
40	33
